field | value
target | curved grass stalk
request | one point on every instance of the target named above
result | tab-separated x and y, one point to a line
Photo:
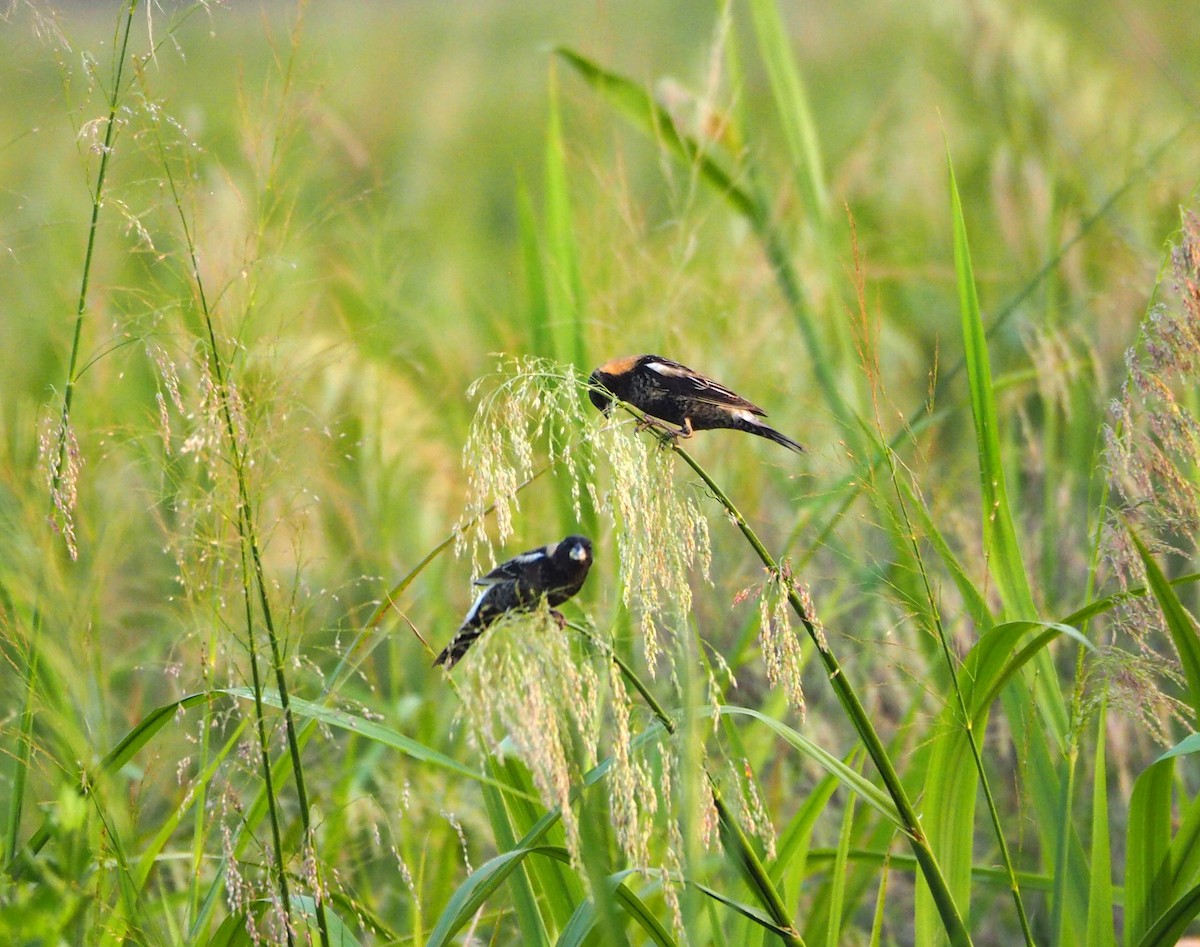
931	871
736	842
25	734
254	577
967	721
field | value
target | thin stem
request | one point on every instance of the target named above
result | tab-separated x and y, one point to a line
33	652
250	551
968	724
731	833
951	917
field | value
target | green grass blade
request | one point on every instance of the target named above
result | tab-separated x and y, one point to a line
747	911
1041	688
793	846
1185	846
1148	849
541	338
529	918
837	876
791	102
1179	623
372	730
1172	923
339	933
480	885
636	104
999	534
952	781
995	660
871	794
232	930
558	885
584	921
152	849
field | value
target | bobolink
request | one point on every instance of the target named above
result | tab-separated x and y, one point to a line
555	572
678	395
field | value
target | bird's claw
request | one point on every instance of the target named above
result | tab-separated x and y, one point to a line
666	434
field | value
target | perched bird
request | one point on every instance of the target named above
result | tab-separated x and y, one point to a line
678	395
554	572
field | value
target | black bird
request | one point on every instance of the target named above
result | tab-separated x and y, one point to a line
679	395
554	572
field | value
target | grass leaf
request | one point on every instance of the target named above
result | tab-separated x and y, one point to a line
999	534
792	106
871	794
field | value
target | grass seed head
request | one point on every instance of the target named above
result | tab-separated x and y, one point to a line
1152	448
523	684
61	461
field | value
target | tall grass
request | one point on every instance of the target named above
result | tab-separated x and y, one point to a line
936	680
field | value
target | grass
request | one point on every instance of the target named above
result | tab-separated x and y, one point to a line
934	681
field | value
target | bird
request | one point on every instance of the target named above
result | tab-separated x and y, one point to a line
555	572
678	395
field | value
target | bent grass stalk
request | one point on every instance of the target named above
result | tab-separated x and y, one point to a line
732	834
931	871
967	722
253	575
25	735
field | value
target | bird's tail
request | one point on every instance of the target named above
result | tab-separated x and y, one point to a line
457	647
763	430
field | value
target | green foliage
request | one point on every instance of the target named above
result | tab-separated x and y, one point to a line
911	686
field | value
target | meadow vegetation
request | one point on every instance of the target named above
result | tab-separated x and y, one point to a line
297	307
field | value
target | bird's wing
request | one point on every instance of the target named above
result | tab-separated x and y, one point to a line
475	606
516	567
686	382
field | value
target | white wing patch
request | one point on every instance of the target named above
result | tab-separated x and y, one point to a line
534	555
475	607
509	568
663	368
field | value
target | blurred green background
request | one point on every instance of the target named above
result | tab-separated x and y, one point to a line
352	173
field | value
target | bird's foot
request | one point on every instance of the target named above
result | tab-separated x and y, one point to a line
664	432
559	618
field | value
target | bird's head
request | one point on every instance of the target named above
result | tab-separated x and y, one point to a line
600	397
577	549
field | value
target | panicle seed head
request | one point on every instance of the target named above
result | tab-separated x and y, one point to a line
632	798
1132	685
1153	438
778	640
523	683
61	461
526	403
661	535
780	645
1152	448
756	813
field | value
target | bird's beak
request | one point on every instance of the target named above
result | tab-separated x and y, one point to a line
579	553
601	401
